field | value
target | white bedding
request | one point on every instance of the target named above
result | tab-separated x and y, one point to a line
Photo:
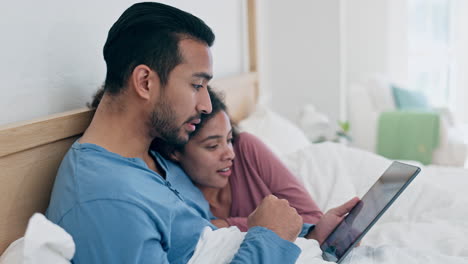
229	239
431	216
43	242
427	224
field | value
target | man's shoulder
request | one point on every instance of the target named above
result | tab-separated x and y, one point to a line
87	175
107	171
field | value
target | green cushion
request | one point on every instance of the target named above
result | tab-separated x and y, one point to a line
408	135
410	100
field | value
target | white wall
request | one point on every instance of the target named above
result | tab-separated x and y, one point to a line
299	54
397	48
51	51
305	44
366	38
459	98
376	39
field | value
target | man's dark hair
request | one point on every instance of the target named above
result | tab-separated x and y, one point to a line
149	33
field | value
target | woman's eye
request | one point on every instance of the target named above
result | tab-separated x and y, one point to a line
212	147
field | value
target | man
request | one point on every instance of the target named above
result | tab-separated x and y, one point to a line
110	193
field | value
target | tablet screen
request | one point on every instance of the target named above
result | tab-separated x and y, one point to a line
379	197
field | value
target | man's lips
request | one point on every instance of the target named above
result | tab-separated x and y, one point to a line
195	121
191	125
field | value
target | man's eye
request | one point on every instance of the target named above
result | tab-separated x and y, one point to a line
197	86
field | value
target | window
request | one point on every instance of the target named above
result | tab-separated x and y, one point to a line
431	61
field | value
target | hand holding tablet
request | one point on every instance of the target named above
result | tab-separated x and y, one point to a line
330	220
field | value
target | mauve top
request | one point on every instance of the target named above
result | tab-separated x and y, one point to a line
256	173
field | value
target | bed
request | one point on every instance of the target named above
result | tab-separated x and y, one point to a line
429	224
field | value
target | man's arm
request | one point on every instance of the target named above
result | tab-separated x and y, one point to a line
241	223
273	227
262	245
108	231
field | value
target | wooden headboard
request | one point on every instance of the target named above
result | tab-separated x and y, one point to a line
30	152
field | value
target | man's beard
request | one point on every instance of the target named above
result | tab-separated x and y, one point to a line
162	124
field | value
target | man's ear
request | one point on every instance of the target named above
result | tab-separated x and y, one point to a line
144	81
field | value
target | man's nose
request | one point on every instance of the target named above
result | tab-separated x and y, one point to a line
204	103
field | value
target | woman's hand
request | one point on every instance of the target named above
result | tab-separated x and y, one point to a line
330	220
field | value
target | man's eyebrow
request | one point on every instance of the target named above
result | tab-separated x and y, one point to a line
203	75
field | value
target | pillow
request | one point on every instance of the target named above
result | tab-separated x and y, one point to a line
316	126
278	133
14	253
44	242
380	92
410	100
333	173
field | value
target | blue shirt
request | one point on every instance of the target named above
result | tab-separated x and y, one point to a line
119	211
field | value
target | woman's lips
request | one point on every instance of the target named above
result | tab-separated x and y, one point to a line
226	172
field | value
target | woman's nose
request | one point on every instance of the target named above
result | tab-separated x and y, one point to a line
229	154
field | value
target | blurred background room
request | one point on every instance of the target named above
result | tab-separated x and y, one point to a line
340	70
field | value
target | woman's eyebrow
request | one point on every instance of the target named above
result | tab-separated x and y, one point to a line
211	137
214	137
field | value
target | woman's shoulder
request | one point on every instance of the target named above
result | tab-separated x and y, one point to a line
249	143
244	139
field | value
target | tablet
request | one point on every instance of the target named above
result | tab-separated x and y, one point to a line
367	211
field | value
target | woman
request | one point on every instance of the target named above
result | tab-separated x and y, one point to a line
235	171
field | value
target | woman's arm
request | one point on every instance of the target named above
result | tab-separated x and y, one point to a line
240	222
281	182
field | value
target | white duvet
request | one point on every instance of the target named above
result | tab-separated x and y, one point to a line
427	224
